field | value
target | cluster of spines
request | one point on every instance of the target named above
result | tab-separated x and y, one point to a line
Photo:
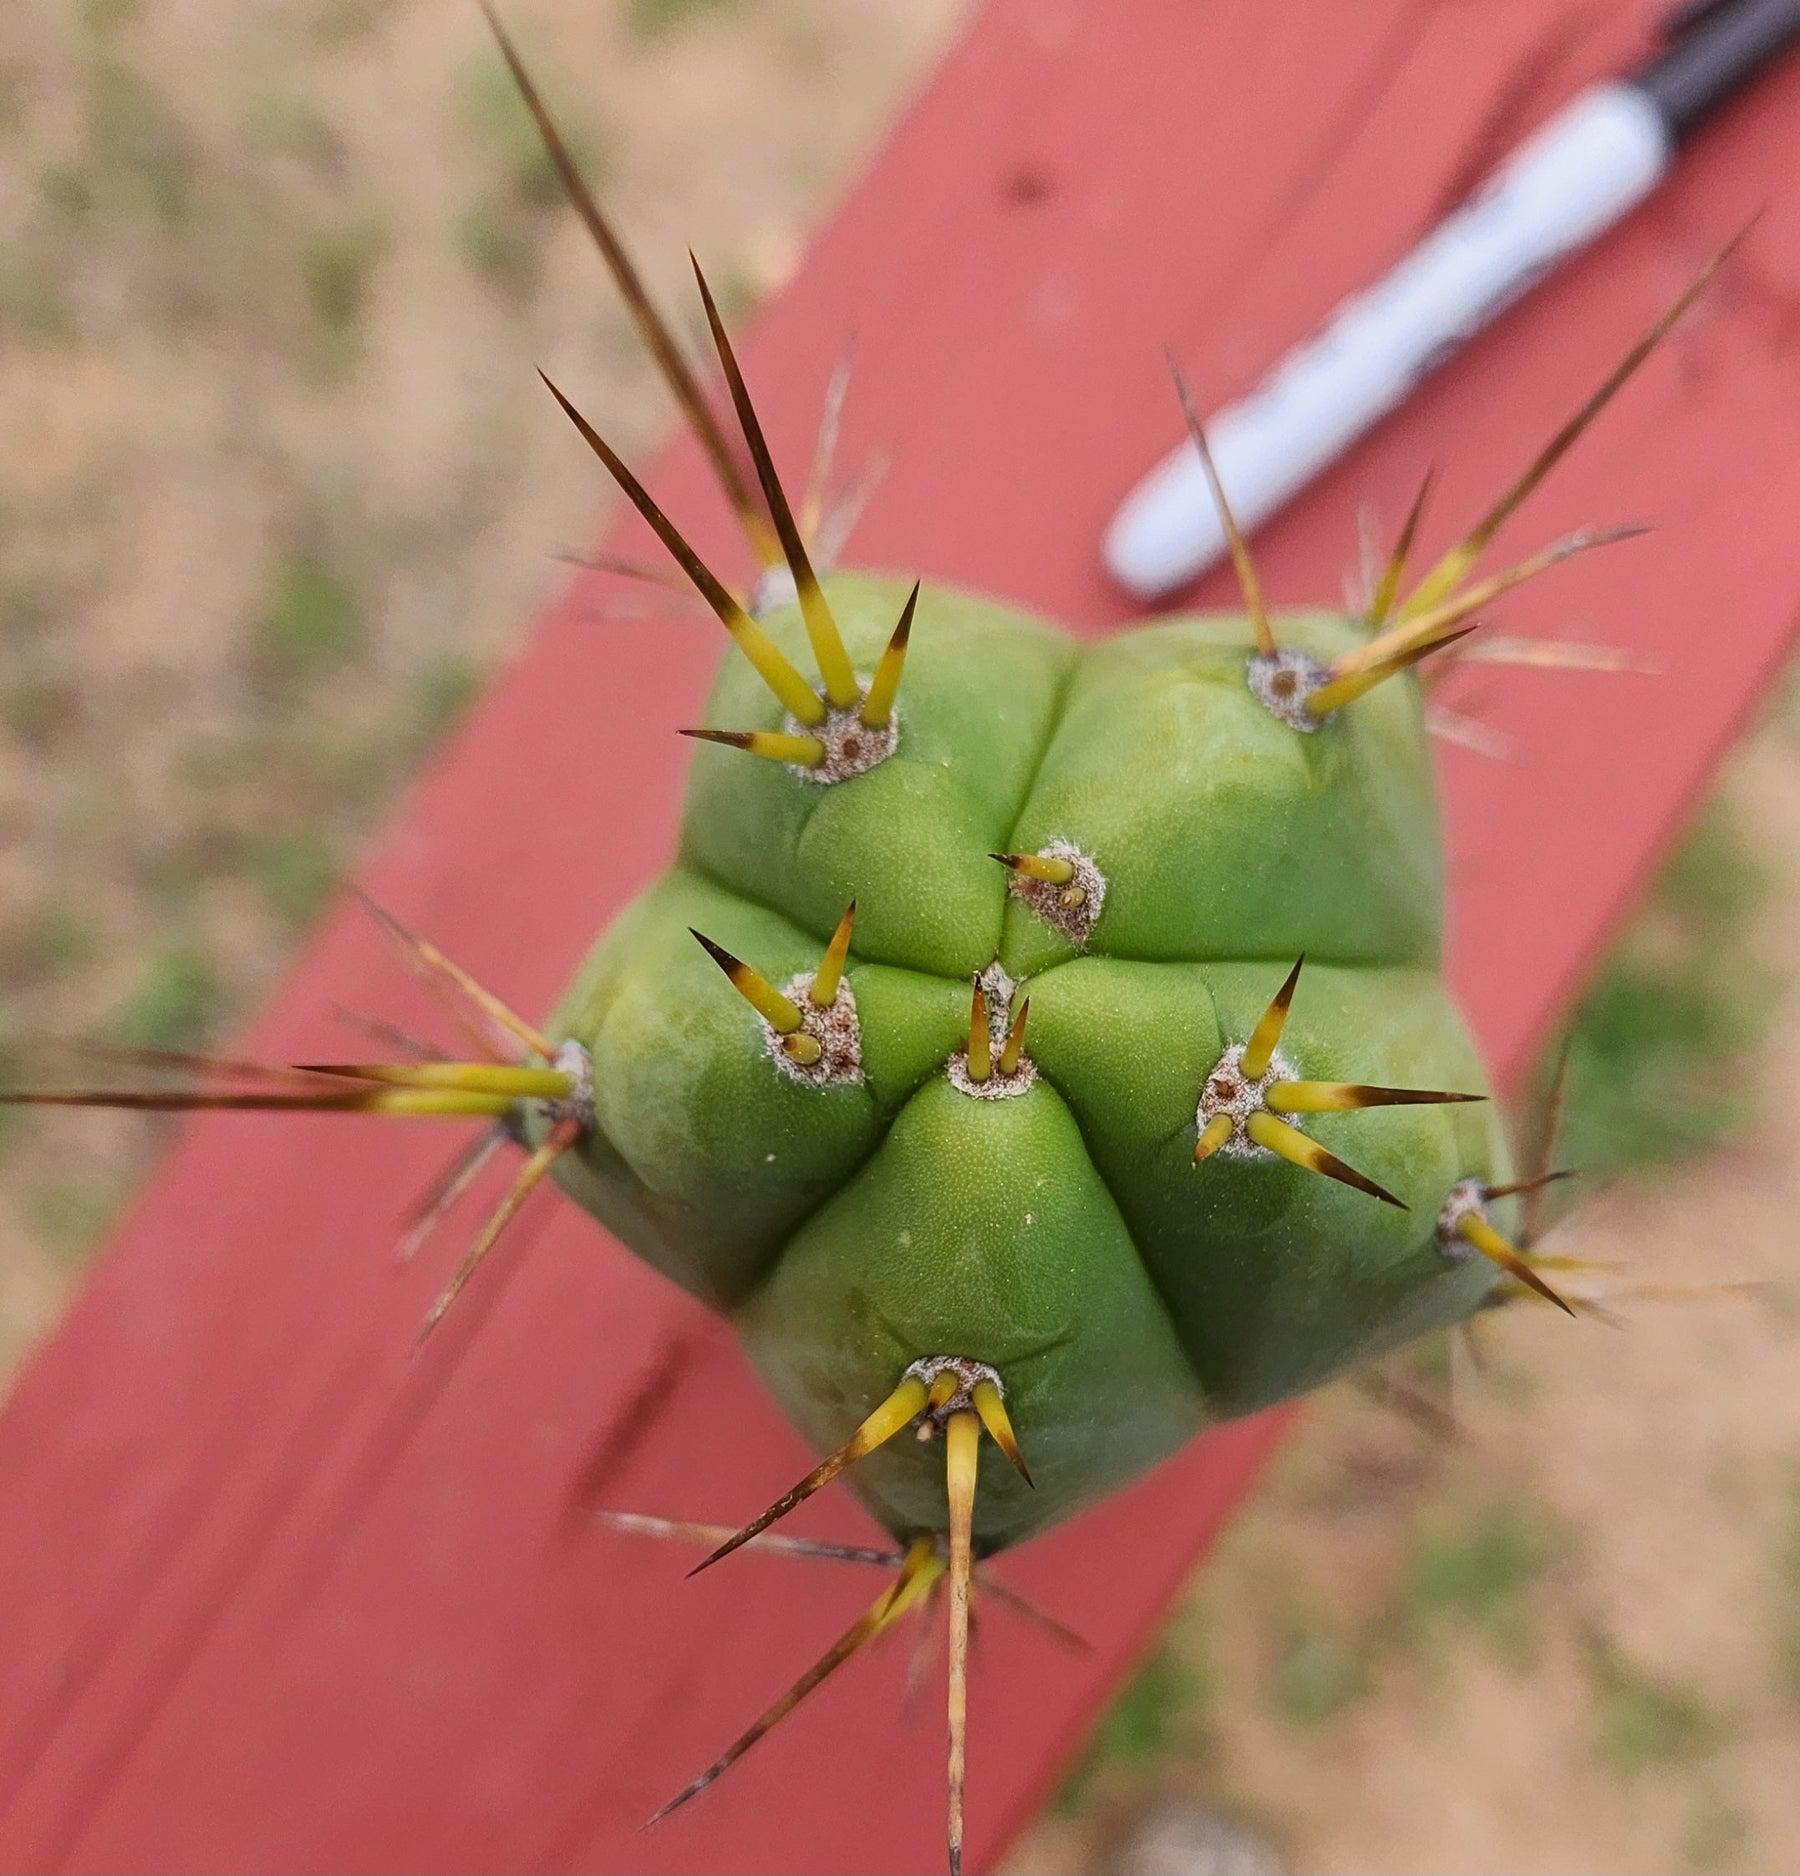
1440	611
777	540
794	1022
558	1085
957	1397
1247	1098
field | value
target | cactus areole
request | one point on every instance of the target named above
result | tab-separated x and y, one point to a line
1034	1044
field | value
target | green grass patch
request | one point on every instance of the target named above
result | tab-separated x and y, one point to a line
1644	1721
13	1120
295	872
1717	1832
653	19
36	704
1477	1579
1317	1676
290	124
442	692
338	25
1156	1715
1787	1652
1656	1047
178	1002
142	163
500	246
338	268
69	1216
33	302
53	939
312	622
104	17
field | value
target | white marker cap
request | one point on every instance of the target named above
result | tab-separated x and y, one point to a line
1583	170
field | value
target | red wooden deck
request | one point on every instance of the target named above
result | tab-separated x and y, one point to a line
279	1596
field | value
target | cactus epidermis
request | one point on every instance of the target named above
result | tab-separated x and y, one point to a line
1062	1233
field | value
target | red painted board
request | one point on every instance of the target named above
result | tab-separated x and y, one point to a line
279	1596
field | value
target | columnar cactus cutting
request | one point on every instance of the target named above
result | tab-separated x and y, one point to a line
967	1058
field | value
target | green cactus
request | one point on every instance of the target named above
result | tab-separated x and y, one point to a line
992	1097
877	1206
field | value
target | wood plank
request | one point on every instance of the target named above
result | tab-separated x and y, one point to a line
283	1597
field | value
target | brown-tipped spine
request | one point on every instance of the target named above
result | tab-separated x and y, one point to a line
806	752
1259	1051
821	628
1450	570
770	663
1303	1150
903	1406
781	1013
1249	586
981	1042
884	686
830	973
652	328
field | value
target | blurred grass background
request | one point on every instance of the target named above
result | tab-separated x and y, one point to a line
278	493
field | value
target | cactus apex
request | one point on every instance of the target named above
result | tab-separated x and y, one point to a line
993	1065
